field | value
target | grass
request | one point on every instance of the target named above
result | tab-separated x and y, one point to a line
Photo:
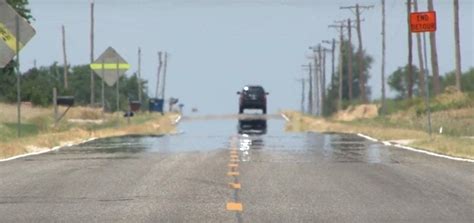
39	131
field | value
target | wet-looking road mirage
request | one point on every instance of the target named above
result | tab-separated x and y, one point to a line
231	170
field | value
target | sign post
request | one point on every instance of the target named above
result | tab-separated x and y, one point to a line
110	66
11	26
424	22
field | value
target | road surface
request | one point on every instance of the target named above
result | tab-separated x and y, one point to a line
275	177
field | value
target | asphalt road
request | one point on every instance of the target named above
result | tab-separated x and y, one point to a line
276	177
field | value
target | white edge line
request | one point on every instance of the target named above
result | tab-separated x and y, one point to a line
416	150
367	137
432	153
46	150
177	119
285	117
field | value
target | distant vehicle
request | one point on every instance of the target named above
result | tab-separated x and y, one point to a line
253	97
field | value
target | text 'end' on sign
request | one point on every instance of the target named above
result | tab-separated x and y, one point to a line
423	22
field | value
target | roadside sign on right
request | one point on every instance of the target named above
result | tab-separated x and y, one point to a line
423	22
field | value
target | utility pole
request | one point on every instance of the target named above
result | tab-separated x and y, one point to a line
341	51
103	88
118	85
65	72
421	75
317	80
383	58
18	76
410	53
362	81
165	65
92	54
319	57
323	78
349	58
434	56
457	44
302	80
321	70
139	75
322	65
160	64
333	49
310	86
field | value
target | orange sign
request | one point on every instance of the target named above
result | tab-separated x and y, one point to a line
423	22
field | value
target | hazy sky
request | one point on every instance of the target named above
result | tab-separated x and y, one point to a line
217	46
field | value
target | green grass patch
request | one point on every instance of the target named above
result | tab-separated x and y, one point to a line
8	131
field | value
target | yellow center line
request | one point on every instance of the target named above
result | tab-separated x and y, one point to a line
234	206
235	186
233	173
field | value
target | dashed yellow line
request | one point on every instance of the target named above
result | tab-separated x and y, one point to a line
235	186
233	173
234	206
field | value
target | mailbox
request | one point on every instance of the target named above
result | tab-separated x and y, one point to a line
135	106
65	100
156	105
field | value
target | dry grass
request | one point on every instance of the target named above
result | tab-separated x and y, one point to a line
83	113
357	112
48	135
8	112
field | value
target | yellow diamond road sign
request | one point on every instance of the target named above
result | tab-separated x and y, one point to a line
8	33
109	66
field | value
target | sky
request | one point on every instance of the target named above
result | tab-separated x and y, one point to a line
218	46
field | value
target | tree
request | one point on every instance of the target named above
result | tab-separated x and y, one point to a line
398	81
21	7
467	80
38	84
333	90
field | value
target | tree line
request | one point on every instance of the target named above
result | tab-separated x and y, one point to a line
37	86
